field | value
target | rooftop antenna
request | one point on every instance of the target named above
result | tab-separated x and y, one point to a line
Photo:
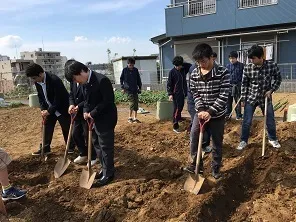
42	44
15	51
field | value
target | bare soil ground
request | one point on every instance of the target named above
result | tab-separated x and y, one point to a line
149	181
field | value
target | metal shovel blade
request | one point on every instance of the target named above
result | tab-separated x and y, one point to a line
61	167
86	179
194	183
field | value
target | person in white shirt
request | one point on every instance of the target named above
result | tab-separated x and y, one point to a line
54	104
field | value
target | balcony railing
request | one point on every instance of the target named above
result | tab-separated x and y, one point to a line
197	7
255	3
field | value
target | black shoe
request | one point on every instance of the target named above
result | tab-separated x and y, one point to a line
191	169
216	173
104	181
38	153
99	175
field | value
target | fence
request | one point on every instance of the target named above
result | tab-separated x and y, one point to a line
20	86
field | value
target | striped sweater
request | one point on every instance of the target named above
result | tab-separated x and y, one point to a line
210	92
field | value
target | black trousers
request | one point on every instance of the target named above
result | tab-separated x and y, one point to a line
178	101
216	128
80	137
103	142
64	121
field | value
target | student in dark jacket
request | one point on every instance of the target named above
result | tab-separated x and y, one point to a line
80	127
100	106
54	103
131	84
177	88
209	84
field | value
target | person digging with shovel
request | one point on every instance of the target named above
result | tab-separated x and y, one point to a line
80	128
100	107
191	109
260	79
54	103
209	84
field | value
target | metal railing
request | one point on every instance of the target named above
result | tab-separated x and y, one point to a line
255	3
200	8
197	7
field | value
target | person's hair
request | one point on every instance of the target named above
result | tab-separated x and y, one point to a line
74	69
178	61
131	60
233	54
255	51
33	69
201	51
214	54
66	67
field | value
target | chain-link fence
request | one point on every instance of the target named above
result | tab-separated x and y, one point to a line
16	84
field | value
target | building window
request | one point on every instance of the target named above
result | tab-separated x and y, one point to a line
200	7
255	3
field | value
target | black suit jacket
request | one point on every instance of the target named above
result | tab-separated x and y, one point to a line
76	97
57	95
100	102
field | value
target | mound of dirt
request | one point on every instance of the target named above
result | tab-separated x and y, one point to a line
149	180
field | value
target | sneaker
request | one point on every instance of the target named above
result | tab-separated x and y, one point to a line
136	121
191	169
207	149
38	153
80	159
216	174
70	151
13	194
130	120
242	145
93	162
239	118
275	144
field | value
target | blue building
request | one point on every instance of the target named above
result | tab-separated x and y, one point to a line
230	25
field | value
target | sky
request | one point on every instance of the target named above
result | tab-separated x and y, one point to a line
81	29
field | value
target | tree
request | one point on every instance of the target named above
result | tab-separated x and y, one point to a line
109	53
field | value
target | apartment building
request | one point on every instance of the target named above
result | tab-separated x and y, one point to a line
12	74
51	62
4	58
230	25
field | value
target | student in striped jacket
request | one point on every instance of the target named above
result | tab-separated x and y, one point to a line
209	84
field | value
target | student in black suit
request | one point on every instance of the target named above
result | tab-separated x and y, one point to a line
80	127
54	103
99	106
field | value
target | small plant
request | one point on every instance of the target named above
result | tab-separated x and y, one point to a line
15	105
146	97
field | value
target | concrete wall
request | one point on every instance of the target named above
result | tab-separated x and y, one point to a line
147	70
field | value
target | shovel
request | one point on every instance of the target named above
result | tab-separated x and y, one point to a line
42	146
229	117
88	176
64	162
194	181
264	128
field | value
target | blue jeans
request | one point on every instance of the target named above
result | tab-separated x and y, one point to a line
248	117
